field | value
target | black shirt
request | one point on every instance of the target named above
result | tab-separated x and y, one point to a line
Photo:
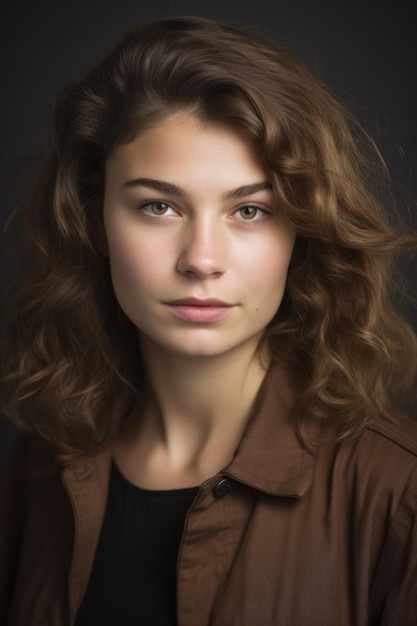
133	581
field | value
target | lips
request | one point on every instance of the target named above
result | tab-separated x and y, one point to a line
202	311
204	302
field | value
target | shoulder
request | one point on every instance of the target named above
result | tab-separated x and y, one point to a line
376	470
399	434
388	446
383	443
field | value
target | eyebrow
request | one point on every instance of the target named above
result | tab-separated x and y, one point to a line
175	190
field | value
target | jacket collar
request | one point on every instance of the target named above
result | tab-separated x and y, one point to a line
270	456
86	482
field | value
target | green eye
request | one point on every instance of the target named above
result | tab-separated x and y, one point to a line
249	212
156	208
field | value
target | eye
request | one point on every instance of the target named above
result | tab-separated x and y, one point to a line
157	208
251	213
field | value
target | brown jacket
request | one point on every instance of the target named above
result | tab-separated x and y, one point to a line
281	536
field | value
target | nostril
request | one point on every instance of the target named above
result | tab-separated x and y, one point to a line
201	262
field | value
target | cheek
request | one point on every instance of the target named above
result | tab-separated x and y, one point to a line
132	263
267	270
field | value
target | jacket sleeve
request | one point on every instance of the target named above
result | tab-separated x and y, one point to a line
394	591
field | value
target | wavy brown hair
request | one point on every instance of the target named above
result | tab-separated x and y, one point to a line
69	353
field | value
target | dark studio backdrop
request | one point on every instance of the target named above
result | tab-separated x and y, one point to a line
365	52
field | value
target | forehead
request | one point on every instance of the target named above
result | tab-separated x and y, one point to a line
182	146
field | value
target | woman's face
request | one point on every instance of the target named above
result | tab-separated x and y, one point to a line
198	256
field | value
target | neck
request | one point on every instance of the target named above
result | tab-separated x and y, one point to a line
195	412
203	389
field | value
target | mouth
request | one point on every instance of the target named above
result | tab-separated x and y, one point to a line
200	311
202	302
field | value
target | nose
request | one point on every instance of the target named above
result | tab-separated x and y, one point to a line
203	250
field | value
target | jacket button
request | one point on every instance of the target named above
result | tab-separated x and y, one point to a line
222	488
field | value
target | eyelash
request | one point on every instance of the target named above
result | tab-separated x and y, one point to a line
146	208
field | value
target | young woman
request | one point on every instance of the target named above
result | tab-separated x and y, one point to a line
211	368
